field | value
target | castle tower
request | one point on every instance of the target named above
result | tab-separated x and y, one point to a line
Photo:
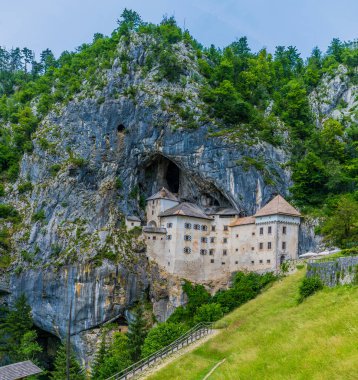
157	203
277	224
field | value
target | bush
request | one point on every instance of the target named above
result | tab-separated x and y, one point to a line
39	215
25	187
309	286
160	336
54	169
8	212
208	313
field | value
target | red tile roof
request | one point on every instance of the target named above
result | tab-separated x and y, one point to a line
277	205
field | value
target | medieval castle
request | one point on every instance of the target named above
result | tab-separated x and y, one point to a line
209	244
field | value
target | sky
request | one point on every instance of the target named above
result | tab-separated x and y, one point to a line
65	24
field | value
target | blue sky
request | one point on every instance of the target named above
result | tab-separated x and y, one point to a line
64	24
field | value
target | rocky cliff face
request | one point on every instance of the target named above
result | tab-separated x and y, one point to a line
94	161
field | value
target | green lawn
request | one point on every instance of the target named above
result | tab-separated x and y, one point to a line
271	337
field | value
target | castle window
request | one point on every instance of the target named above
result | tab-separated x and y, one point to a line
261	230
268	261
203	251
187	237
169	225
187	225
253	234
148	237
236	262
269	230
261	245
169	237
204	240
283	245
187	250
154	238
132	224
252	262
211	252
237	235
212	261
223	263
213	228
252	248
204	227
212	240
152	212
260	261
237	249
225	240
226	228
196	226
284	230
225	252
269	245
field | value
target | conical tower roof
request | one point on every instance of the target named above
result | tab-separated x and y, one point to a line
277	205
163	193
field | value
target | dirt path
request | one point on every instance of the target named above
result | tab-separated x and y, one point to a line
162	363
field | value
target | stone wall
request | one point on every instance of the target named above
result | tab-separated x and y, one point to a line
341	271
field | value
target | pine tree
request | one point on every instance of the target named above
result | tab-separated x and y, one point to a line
137	332
99	358
59	373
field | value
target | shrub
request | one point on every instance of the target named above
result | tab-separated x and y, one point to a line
54	169
39	215
119	183
160	336
309	286
208	313
25	187
8	212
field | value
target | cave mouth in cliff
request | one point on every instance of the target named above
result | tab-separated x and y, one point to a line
49	344
159	171
121	128
172	177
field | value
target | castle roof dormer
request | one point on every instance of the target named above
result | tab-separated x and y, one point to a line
185	209
163	193
277	206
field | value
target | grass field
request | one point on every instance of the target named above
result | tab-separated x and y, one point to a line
271	337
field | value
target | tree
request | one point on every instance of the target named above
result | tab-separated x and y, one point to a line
28	57
47	60
99	358
162	335
208	313
130	18
137	331
59	372
341	226
117	358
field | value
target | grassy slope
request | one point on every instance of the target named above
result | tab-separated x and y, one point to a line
272	337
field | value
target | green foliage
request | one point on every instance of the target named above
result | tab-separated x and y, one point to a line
59	372
119	183
197	296
17	336
162	335
137	332
308	287
25	187
208	313
54	169
39	216
8	212
113	360
340	226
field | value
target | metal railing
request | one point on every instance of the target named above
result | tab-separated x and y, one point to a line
190	336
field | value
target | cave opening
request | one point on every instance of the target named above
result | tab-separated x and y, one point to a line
160	171
172	177
121	128
49	344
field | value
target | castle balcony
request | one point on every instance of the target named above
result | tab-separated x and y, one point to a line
154	230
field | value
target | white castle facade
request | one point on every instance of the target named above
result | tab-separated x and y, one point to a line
205	245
